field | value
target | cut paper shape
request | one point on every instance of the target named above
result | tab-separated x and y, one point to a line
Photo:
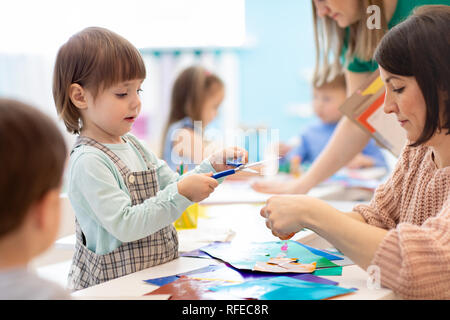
283	265
282	288
322	253
335	271
245	256
162	281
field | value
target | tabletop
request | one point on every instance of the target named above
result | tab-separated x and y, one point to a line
239	223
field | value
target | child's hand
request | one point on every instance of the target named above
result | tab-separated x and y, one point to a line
361	161
197	187
219	159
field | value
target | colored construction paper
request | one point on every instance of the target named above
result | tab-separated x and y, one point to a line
281	288
162	281
245	256
228	273
231	274
195	254
334	271
185	288
321	253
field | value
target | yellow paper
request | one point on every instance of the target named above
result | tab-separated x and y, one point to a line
376	85
189	218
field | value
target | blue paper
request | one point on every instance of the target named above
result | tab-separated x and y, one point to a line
282	288
162	281
324	254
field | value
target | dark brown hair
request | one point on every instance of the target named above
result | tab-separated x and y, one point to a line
32	159
95	58
419	47
190	90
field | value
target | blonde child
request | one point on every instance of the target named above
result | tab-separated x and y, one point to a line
32	159
124	197
327	98
196	97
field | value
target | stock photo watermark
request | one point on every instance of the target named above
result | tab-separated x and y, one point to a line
374	279
374	20
192	146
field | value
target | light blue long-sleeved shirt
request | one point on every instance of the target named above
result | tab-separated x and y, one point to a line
315	137
102	202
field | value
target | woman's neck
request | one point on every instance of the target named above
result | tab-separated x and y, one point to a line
389	8
441	150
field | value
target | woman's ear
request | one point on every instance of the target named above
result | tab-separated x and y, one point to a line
77	95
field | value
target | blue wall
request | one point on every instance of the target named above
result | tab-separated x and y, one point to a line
272	67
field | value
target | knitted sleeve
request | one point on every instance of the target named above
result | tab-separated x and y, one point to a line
382	211
414	261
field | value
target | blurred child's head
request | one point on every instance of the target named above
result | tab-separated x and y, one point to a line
197	93
328	97
96	81
32	161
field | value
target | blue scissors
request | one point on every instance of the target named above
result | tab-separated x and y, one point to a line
239	167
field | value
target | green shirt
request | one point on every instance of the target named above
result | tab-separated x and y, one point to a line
102	203
403	9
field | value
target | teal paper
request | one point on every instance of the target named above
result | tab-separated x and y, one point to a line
282	288
244	256
334	271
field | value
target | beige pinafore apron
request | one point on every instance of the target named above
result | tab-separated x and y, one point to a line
89	268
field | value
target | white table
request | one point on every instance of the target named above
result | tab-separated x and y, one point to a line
245	221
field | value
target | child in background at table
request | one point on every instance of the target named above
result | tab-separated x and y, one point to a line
32	158
196	96
327	98
125	199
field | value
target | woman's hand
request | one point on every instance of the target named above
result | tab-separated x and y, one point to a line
219	159
288	214
197	187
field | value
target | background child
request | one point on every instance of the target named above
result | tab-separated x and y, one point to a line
32	159
327	98
125	199
196	96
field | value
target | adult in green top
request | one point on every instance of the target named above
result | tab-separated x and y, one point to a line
345	43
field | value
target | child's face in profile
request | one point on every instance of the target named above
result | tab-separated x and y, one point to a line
112	113
326	103
212	104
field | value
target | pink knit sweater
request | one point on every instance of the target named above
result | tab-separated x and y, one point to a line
414	205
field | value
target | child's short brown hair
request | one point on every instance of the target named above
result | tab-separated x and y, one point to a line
95	58
32	159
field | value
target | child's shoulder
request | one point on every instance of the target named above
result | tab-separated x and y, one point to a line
85	156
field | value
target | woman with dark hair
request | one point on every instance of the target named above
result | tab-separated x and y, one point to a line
405	230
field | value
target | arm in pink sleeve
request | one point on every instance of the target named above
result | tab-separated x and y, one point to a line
383	210
414	261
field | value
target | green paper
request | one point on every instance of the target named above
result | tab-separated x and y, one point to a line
334	271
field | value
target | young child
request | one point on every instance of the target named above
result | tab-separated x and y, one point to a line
32	158
196	96
328	97
124	197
